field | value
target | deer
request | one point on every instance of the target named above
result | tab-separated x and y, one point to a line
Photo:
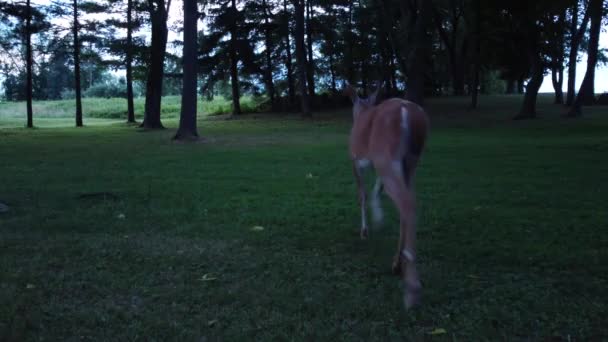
390	136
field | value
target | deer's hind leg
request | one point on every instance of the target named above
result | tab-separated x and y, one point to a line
396	187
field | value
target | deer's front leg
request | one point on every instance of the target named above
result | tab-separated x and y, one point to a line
358	167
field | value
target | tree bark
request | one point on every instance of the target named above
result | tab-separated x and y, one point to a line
268	53
129	63
417	67
234	76
77	66
154	83
310	66
187	119
586	91
29	62
301	57
528	108
576	37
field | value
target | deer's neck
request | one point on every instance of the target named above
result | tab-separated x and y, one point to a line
360	134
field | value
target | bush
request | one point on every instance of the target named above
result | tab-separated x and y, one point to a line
68	94
107	90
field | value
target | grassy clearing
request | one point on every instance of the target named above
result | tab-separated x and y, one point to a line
512	236
115	108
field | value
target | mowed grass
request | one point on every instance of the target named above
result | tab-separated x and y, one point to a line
512	236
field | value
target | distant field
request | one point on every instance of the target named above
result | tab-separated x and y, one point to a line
116	108
512	238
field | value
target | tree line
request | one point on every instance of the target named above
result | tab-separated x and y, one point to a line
298	53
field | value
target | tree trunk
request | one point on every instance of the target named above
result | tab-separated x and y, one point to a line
528	108
576	37
29	62
586	91
291	88
77	66
310	66
557	78
332	73
477	57
417	67
187	119
520	85
129	62
234	76
301	57
557	59
268	52
154	83
349	37
511	86
455	55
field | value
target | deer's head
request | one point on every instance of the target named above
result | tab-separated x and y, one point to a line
361	104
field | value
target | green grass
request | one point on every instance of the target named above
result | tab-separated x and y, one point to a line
13	113
512	232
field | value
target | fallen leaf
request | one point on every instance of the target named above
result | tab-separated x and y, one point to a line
207	277
257	228
438	331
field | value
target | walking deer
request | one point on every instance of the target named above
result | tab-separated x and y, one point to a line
390	136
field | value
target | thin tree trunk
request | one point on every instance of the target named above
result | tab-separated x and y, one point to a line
557	78
77	66
310	66
154	83
586	90
576	37
557	60
234	77
187	119
301	57
268	53
528	108
291	88
332	73
477	65
417	67
350	62
129	62
29	62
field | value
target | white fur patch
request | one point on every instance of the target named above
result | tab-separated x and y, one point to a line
377	214
363	163
407	255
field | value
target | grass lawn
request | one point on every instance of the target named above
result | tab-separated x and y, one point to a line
513	235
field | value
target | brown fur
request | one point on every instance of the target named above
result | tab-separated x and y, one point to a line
378	135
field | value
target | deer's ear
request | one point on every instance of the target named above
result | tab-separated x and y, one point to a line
350	92
374	96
